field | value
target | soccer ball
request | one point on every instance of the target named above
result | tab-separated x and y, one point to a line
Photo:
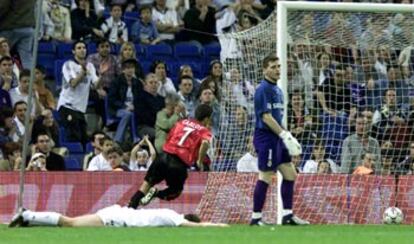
392	215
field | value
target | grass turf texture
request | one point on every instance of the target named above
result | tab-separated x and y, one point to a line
235	234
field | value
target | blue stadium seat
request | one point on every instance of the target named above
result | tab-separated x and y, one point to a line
89	147
64	51
146	66
58	73
134	15
187	52
72	164
46	57
73	147
140	51
160	52
211	52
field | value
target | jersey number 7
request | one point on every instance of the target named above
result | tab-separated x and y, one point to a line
188	131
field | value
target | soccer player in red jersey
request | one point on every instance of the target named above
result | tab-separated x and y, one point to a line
187	142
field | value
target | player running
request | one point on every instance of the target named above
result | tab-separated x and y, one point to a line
187	142
274	145
115	216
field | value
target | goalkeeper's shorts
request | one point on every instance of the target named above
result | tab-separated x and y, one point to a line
270	149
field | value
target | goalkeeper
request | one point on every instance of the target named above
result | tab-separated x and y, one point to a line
274	145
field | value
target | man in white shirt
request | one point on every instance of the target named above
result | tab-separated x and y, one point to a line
166	20
114	28
78	77
21	93
112	216
100	162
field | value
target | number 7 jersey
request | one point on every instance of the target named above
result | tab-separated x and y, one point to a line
184	140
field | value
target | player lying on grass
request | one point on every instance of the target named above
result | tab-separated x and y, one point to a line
115	216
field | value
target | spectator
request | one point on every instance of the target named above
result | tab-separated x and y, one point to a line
46	98
20	109
405	166
167	21
21	93
114	29
37	163
241	90
17	26
8	128
140	159
216	73
12	157
318	156
54	162
97	140
147	105
100	162
45	123
375	34
299	117
5	51
248	162
325	67
186	94
324	167
366	168
167	117
115	159
366	72
57	23
186	70
166	85
127	52
207	97
200	23
98	6
85	22
144	30
5	100
387	163
78	77
383	60
122	93
8	78
401	86
358	144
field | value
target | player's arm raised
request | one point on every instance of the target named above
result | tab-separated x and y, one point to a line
205	144
290	142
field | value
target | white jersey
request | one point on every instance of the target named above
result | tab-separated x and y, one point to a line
76	98
99	163
118	216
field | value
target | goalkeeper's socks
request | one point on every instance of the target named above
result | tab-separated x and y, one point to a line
259	196
41	218
287	193
134	202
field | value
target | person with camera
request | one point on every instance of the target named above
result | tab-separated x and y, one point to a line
43	158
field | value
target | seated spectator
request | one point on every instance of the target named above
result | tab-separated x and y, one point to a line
216	72
165	83
97	140
401	86
318	156
201	20
42	145
114	29
366	167
46	98
147	105
100	162
300	120
122	93
5	100
85	22
144	30
8	78
21	93
213	86
12	157
8	128
186	94
56	23
167	21
248	162
140	159
405	166
128	51
324	167
387	163
115	159
20	109
46	123
37	162
366	72
186	70
5	51
358	144
241	90
207	97
97	6
167	117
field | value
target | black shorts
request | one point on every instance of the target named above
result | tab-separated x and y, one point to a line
167	167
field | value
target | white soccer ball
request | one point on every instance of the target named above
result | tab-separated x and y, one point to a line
392	215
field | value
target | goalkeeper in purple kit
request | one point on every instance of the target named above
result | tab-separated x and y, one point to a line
274	145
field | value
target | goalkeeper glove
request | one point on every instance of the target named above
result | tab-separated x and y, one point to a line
291	143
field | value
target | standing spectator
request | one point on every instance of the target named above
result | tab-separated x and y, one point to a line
122	93
78	77
167	118
144	30
140	159
167	21
57	23
127	52
114	29
46	98
8	78
200	23
85	22
5	51
186	95
54	162
17	22
147	105
166	85
357	145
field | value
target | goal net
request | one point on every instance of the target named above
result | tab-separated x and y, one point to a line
347	71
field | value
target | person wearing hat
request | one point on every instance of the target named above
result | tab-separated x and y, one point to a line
121	95
37	163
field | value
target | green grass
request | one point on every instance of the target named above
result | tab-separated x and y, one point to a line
332	234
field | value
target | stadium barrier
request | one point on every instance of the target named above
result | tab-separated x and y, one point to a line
217	196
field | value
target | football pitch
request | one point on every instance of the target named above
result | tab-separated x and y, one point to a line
332	234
